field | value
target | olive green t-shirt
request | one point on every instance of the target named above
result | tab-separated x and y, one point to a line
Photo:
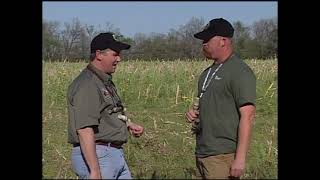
232	86
88	104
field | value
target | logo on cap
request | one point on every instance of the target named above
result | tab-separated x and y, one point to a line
206	27
114	37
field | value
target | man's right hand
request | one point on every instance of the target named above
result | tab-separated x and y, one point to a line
191	115
95	175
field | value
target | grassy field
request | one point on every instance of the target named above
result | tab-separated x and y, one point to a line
157	94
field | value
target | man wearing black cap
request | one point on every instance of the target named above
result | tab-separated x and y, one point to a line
97	127
227	92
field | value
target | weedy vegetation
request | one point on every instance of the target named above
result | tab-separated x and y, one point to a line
156	95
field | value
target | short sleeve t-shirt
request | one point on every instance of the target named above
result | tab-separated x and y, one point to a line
232	86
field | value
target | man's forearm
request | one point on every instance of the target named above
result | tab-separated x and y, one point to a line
88	147
245	131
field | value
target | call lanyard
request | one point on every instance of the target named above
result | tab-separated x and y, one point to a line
205	84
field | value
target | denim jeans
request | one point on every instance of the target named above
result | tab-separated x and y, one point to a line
111	161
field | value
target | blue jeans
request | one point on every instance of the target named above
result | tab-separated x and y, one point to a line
111	161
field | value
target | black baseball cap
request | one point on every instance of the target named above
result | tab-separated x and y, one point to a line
216	27
107	40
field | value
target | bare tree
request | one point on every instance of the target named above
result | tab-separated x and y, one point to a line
50	39
109	27
71	36
266	34
259	40
85	43
241	38
191	46
90	30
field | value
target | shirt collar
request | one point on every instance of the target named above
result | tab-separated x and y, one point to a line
105	77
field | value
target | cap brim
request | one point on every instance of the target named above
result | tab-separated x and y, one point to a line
204	35
119	46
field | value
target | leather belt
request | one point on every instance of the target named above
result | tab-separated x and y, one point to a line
99	142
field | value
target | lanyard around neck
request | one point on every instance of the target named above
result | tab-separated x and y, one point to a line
205	83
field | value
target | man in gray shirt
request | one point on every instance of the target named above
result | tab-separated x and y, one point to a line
227	92
97	125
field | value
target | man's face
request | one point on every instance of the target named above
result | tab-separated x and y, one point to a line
109	60
211	49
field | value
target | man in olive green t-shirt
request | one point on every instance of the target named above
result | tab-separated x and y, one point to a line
227	92
97	125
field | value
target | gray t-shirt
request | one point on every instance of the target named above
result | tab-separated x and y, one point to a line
233	86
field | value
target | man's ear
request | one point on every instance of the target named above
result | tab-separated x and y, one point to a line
223	42
98	54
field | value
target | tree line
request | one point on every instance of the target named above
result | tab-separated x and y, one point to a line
71	41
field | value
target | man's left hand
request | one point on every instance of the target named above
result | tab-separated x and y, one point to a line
237	168
135	129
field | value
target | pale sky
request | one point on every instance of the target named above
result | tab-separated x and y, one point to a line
133	16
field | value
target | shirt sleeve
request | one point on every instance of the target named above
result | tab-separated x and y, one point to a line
86	102
244	87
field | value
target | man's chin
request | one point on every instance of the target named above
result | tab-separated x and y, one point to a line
208	57
110	71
